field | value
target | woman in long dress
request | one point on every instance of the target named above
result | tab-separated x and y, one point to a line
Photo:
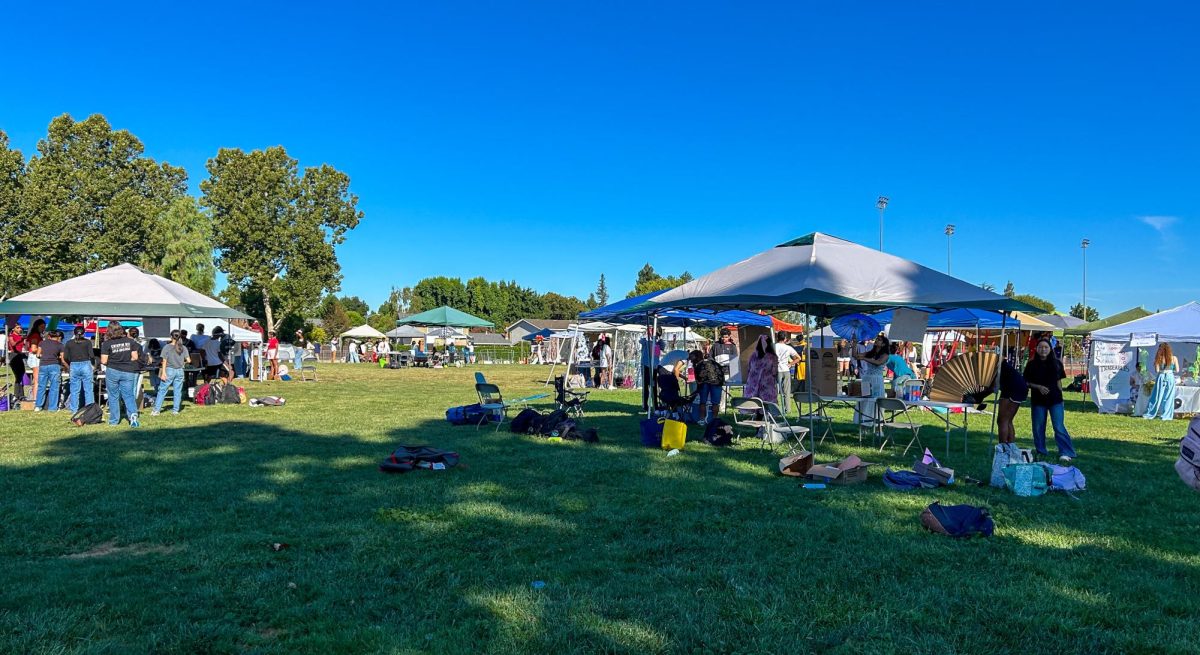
761	372
1162	400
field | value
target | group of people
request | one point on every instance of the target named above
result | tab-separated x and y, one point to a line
124	356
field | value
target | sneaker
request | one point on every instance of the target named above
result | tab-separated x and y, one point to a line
1064	459
154	413
133	421
37	409
174	412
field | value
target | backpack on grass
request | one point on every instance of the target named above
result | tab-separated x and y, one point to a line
88	415
407	458
523	422
718	433
958	520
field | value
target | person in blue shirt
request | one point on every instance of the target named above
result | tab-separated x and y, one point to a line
900	369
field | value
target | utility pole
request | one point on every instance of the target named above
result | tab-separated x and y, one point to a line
881	205
949	233
1084	246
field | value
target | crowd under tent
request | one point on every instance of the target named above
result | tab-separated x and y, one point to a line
1118	350
824	276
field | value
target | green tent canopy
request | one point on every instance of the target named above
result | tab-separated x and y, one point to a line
444	316
1116	319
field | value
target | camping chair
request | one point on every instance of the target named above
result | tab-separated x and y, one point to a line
768	421
669	397
569	401
893	413
809	408
308	366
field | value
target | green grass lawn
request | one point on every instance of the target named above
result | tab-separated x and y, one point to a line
114	540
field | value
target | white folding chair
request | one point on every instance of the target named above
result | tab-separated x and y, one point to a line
892	414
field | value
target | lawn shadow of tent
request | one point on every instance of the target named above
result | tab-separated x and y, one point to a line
607	527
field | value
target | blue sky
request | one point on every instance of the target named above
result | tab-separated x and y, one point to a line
551	142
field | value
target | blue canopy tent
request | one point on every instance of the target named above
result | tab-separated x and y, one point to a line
623	311
543	333
948	319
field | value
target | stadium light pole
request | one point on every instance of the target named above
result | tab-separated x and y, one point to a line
949	233
881	205
1084	246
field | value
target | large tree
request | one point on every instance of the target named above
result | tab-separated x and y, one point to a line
12	176
182	246
1041	303
276	230
89	200
602	291
562	307
648	280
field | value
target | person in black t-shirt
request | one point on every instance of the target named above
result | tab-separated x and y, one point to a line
50	360
120	356
79	360
1044	374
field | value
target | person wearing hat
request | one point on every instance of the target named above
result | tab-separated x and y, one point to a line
299	343
78	354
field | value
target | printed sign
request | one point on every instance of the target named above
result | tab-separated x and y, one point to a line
1143	339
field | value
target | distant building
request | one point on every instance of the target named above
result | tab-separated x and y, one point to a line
525	326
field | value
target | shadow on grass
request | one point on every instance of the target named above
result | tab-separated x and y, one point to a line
638	551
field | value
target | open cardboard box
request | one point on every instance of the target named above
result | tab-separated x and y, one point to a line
851	470
796	464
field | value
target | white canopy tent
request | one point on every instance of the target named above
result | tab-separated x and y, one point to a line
1114	357
363	332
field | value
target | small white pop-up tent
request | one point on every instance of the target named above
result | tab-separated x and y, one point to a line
363	332
1118	350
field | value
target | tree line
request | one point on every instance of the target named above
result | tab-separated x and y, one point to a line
89	198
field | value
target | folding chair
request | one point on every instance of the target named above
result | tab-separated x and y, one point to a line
767	420
747	413
308	366
569	401
492	402
479	379
810	409
893	413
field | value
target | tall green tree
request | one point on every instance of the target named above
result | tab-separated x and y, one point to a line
355	304
1010	290
335	320
602	291
89	199
275	229
12	177
562	307
648	281
182	246
1088	313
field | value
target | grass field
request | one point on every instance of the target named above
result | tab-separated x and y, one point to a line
158	539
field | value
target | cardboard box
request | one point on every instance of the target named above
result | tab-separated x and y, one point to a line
26	405
851	470
825	365
796	465
854	388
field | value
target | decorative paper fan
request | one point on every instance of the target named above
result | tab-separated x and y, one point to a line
965	374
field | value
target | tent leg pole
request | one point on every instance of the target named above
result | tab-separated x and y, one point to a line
652	344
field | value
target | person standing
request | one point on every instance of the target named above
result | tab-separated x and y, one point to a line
78	355
762	372
50	358
16	360
170	375
1162	399
901	371
787	357
199	338
120	356
1013	392
651	348
872	364
1044	374
273	355
211	349
33	345
725	353
710	382
299	343
606	362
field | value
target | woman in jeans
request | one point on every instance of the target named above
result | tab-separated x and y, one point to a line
710	381
1044	375
121	357
174	360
